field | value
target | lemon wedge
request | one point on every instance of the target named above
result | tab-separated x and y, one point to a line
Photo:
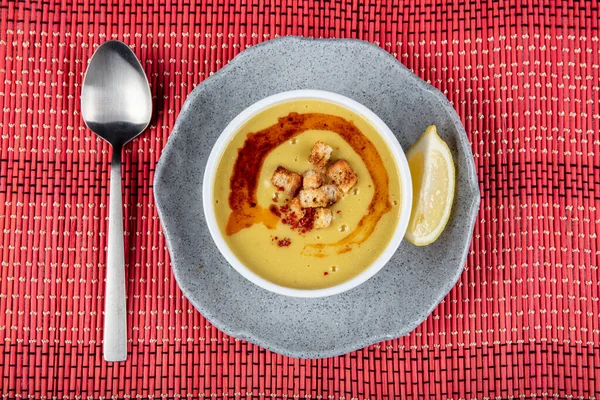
433	181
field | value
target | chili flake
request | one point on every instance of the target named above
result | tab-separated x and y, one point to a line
285	242
273	208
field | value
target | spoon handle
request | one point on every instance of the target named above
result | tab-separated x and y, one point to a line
115	312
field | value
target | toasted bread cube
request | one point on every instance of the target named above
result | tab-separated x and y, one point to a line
323	217
321	197
342	175
311	198
312	179
296	209
320	154
286	181
331	192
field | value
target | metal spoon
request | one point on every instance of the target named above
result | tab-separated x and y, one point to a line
117	105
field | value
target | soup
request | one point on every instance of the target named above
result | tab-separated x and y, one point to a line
250	209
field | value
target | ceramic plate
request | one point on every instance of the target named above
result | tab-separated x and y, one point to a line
396	299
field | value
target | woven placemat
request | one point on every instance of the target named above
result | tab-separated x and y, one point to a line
523	320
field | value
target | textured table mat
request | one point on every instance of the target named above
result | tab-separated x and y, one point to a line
523	320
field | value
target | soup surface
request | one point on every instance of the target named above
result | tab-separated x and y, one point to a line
364	220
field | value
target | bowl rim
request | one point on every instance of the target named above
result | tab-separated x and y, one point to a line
320	95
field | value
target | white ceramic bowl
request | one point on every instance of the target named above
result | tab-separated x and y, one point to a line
232	129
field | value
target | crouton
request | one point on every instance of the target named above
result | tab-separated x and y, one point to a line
342	175
286	181
321	197
320	154
323	217
312	179
296	209
311	198
332	193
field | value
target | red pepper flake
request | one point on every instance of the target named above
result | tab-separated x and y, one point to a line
306	223
285	242
339	211
273	208
325	273
302	225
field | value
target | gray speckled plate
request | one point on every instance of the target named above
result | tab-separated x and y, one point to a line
390	304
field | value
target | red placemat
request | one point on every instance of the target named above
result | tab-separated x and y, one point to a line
523	320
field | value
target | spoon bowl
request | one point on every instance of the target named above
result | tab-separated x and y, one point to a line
116	104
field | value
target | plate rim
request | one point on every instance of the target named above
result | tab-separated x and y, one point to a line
473	186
